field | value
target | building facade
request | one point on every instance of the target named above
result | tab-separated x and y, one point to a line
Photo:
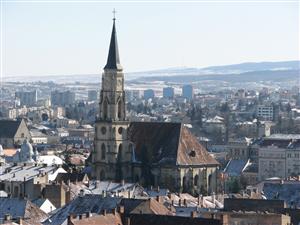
28	98
278	156
151	153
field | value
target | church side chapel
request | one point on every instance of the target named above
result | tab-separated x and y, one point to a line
150	153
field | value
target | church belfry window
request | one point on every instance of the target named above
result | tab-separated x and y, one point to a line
120	109
120	152
105	109
103	151
102	175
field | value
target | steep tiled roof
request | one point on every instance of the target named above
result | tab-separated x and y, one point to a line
148	219
19	172
167	144
151	206
191	152
9	128
23	208
108	219
72	177
81	205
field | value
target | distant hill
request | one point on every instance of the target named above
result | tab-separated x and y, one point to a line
251	70
254	66
253	76
226	69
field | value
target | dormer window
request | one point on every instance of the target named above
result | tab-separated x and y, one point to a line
192	153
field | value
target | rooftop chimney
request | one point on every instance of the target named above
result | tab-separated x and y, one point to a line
158	198
193	214
121	209
184	202
88	214
7	217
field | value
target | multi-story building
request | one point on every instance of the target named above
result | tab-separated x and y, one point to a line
92	95
28	98
238	148
149	93
265	112
62	98
168	92
279	156
188	92
132	95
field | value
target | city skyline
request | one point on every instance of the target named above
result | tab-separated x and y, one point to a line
71	38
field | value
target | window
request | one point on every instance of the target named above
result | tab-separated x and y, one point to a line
105	109
103	130
120	130
103	151
196	180
102	175
119	109
120	152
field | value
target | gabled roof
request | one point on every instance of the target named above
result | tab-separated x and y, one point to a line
167	144
9	128
21	172
150	219
108	219
72	177
151	206
17	207
113	59
81	205
235	167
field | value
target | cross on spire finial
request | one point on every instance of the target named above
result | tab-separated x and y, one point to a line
114	12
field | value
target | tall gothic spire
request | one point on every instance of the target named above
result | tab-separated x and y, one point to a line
113	60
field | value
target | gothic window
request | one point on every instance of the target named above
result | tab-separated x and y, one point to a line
196	180
103	151
210	182
16	191
119	109
102	175
120	152
105	109
103	130
184	184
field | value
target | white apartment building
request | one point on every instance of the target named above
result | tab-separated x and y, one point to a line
265	112
279	156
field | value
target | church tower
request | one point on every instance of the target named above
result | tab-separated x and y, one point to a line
111	156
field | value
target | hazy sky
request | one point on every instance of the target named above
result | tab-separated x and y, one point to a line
73	38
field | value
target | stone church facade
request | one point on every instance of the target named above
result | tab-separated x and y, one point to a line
151	153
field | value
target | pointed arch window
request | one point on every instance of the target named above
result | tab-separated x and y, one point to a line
105	109
103	151
102	175
196	180
120	152
120	109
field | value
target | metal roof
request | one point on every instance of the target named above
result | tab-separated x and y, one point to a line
113	60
